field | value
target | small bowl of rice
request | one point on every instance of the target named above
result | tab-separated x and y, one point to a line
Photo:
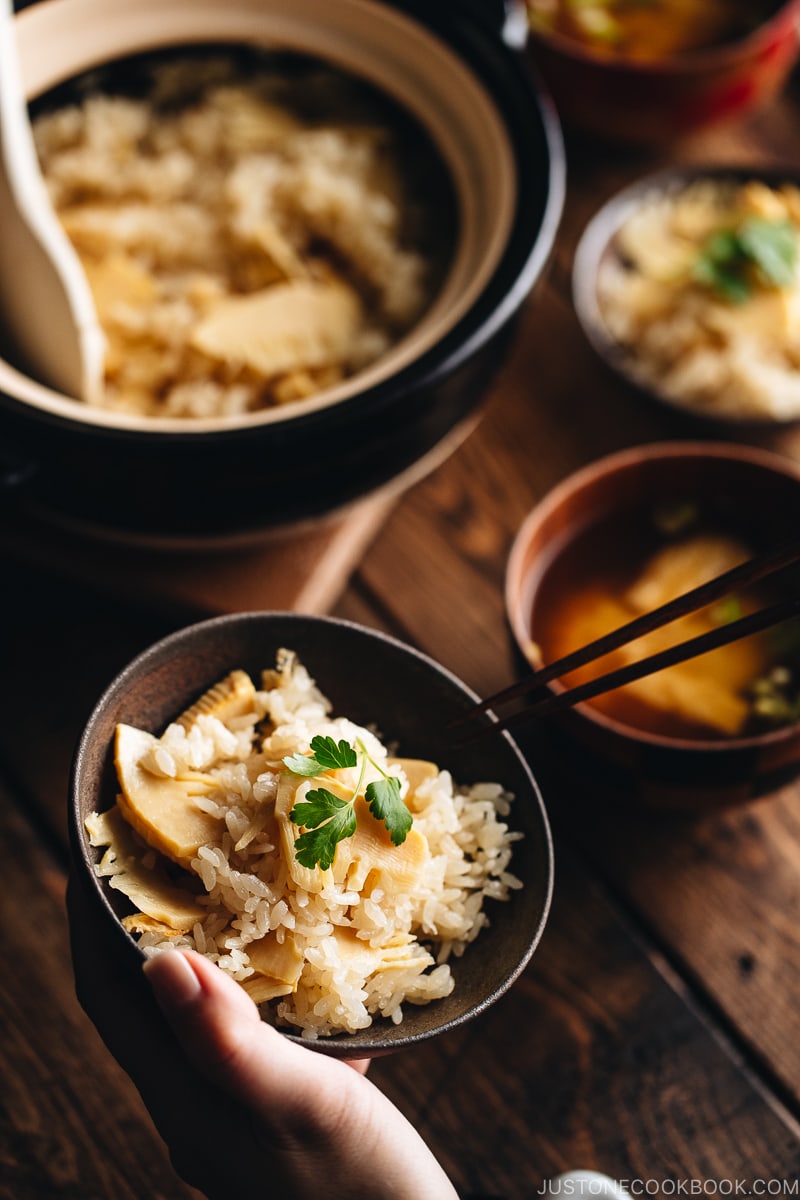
283	794
687	284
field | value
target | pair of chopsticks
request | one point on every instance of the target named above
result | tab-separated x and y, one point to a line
543	705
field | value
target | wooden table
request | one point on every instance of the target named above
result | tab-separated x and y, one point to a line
656	1034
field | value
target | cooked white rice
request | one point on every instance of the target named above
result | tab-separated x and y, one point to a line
688	341
217	189
367	947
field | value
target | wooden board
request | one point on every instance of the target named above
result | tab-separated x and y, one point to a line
594	1058
301	570
720	893
717	896
655	1033
72	1123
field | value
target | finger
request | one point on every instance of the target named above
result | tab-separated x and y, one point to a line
361	1065
123	1009
294	1099
222	1034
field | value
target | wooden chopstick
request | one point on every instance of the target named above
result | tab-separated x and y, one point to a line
746	573
754	623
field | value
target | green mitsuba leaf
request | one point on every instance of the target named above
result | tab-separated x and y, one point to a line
317	806
772	246
319	845
332	755
325	817
733	262
385	804
303	764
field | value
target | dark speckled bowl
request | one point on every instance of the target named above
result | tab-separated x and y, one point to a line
374	680
598	248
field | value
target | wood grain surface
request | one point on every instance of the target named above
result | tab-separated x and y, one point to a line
304	569
654	1036
71	1123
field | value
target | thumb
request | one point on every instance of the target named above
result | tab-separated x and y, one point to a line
321	1121
223	1036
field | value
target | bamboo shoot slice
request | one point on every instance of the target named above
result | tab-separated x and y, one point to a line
229	697
162	810
110	829
153	894
298	324
308	879
277	966
139	923
370	848
359	956
416	770
163	906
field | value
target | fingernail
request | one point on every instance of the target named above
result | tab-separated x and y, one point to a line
172	979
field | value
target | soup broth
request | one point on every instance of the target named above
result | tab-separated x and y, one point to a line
648	29
622	567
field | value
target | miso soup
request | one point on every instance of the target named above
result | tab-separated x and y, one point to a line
624	566
648	29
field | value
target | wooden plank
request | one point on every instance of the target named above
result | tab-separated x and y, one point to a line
724	914
440	602
717	896
597	1058
303	569
591	1009
611	1068
63	645
71	1123
721	892
594	1060
75	628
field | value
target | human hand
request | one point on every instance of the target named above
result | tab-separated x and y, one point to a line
243	1110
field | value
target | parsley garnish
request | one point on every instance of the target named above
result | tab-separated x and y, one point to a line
326	755
733	262
327	818
727	610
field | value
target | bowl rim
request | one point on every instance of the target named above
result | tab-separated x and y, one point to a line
689	62
619	461
338	1046
509	86
595	244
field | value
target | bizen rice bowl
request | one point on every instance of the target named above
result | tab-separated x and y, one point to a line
294	850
